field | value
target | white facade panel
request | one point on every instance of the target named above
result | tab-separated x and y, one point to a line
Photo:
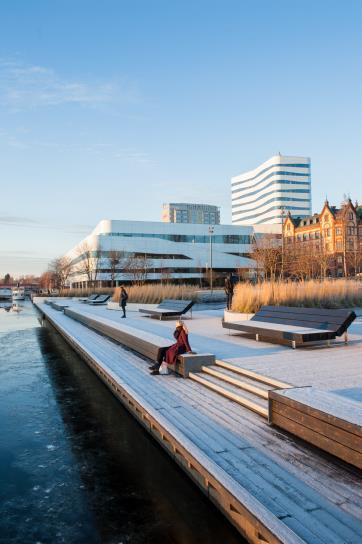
267	193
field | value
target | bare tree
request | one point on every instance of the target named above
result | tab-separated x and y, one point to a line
115	261
60	269
47	281
324	260
90	263
267	253
137	268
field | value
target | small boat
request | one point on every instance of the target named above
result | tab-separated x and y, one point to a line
6	293
19	293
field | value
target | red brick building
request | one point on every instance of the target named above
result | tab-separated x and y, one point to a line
327	244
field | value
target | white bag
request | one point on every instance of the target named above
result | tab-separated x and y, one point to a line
163	368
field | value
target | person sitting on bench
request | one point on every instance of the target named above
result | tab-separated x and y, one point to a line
170	354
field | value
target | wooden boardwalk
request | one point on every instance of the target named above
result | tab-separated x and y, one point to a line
272	488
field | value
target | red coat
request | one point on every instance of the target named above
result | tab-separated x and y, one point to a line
182	346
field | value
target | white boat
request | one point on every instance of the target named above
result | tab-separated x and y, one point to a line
6	293
19	293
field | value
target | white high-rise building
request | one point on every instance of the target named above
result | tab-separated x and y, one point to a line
265	195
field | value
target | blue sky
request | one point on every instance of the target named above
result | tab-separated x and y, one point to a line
108	109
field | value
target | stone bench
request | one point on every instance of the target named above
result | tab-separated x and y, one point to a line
329	421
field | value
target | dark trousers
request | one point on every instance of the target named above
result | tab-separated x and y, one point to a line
161	355
123	306
229	299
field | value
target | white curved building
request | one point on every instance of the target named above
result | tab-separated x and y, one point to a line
264	195
176	251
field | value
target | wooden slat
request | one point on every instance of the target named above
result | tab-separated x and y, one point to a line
348	455
242	385
253	375
232	396
334	408
331	432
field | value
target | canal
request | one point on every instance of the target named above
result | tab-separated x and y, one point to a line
75	467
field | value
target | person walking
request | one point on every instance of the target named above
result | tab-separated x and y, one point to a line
170	354
123	300
229	290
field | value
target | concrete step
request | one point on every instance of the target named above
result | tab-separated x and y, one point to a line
231	392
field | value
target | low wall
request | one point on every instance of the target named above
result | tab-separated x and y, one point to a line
232	317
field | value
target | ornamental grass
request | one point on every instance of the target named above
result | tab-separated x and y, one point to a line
155	293
341	293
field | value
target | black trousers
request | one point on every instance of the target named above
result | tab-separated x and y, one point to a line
229	299
161	355
123	306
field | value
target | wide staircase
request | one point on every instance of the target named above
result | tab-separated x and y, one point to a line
239	385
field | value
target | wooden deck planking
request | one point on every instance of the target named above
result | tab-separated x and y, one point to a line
218	397
179	383
133	371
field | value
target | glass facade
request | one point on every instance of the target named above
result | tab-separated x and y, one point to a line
193	239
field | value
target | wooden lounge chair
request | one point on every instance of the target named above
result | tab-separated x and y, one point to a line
88	299
295	325
101	299
169	308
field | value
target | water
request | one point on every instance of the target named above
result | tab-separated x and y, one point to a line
75	467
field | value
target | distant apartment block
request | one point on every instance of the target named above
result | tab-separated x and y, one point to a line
266	194
202	214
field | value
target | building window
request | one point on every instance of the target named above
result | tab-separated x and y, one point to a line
338	231
350	215
339	245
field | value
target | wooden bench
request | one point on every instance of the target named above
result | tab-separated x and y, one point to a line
145	343
326	420
295	325
88	299
169	308
101	299
59	305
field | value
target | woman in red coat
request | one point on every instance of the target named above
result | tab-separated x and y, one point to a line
170	354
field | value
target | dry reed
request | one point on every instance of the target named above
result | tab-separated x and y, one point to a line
155	293
340	293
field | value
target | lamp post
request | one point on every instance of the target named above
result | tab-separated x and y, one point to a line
282	209
211	232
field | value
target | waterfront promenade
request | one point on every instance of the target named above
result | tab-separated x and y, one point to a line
274	488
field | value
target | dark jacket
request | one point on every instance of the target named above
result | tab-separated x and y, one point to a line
123	298
181	346
229	286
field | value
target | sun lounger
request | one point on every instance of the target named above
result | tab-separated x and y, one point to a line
101	299
169	308
88	299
